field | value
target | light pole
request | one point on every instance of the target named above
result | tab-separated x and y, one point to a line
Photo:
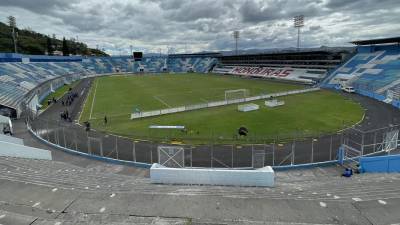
236	35
13	24
298	23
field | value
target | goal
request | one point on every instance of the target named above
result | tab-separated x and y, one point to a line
237	95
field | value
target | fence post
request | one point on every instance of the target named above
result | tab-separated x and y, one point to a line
134	151
374	141
191	156
341	155
76	141
330	148
362	144
47	131
151	153
273	153
57	134
88	143
212	155
312	150
265	152
116	146
65	141
293	152
232	156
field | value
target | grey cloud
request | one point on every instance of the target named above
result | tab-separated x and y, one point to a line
313	28
39	6
206	24
184	11
255	11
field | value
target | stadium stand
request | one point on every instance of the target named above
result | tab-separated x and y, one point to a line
374	71
53	192
23	76
304	67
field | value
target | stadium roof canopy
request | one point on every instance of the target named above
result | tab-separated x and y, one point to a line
204	54
377	41
284	53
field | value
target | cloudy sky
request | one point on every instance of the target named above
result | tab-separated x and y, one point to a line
196	25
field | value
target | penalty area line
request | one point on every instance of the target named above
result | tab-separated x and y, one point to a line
160	100
202	99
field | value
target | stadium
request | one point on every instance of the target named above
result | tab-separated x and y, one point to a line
295	136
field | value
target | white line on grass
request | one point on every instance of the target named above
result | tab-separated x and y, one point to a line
84	104
94	97
112	116
202	99
160	100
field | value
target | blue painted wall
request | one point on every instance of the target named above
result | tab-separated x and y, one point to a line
380	164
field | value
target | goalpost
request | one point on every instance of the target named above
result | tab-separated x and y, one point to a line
232	95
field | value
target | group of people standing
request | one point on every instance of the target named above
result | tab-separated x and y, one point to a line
70	99
71	96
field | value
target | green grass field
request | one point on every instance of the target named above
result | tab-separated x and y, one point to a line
304	114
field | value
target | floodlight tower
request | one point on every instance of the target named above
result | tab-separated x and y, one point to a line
13	24
236	35
298	23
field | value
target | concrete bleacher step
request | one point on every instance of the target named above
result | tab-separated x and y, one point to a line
311	184
7	217
110	219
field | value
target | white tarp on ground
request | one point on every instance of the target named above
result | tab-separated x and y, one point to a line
263	177
274	103
248	107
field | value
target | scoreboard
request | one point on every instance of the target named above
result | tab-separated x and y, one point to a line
137	56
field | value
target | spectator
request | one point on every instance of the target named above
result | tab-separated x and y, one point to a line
348	172
87	125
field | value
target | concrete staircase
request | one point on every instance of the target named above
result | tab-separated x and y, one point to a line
52	192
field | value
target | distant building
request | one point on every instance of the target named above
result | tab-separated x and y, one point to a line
60	53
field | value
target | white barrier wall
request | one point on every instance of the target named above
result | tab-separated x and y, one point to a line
6	138
21	151
216	104
264	177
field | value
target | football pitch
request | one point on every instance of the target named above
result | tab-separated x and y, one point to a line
302	115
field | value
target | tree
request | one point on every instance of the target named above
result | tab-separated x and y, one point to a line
49	46
65	48
73	46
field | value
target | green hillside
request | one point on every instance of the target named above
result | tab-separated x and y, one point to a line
31	42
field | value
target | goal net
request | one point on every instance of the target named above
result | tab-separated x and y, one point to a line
236	95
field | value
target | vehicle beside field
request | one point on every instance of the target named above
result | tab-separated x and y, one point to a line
348	89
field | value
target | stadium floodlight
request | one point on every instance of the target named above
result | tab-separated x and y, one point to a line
236	35
13	24
298	23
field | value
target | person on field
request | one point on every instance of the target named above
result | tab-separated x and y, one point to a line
243	131
105	120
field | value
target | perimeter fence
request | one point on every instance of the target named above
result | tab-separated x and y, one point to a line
251	152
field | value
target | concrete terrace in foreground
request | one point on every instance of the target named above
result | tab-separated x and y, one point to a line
52	192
